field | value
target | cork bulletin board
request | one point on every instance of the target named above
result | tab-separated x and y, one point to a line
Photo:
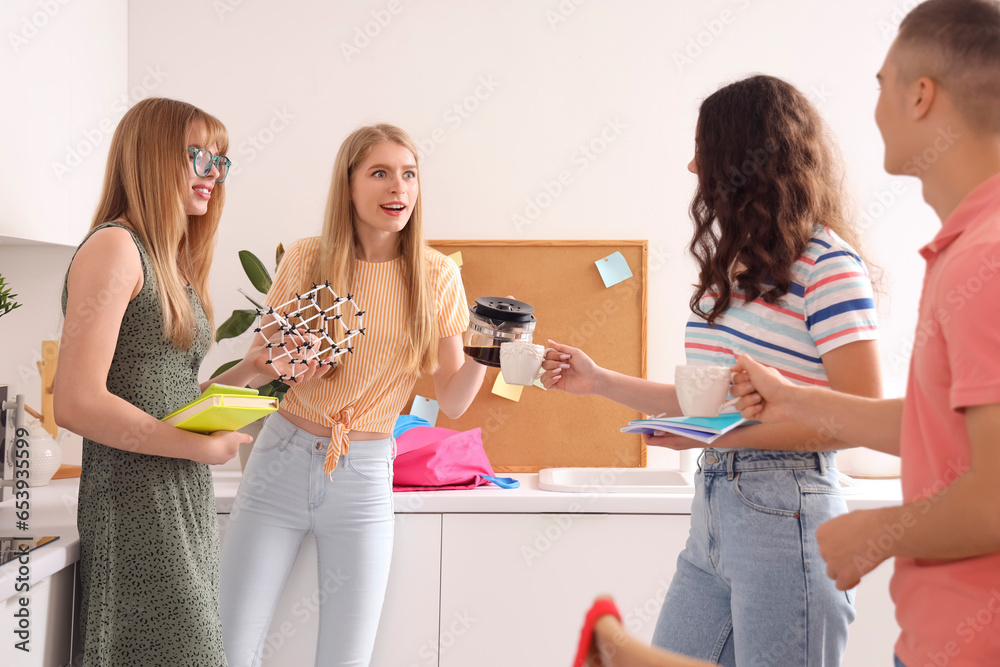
547	429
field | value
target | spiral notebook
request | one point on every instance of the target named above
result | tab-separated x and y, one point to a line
703	429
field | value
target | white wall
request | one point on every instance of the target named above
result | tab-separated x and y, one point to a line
303	70
502	96
35	273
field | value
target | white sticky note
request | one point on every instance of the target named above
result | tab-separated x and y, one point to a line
511	392
613	269
425	408
457	256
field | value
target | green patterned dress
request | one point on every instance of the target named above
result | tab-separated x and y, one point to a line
149	535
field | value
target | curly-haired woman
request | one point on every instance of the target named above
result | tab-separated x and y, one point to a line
779	278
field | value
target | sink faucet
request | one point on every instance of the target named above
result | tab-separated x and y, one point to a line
9	427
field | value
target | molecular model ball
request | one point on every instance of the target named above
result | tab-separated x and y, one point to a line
297	330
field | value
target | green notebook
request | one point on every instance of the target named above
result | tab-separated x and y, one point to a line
222	408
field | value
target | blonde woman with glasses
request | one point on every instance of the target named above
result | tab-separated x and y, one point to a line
137	325
323	462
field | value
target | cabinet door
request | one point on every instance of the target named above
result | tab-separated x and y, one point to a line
874	632
515	587
408	629
50	612
65	83
409	623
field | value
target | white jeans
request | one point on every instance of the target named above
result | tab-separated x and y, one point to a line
284	494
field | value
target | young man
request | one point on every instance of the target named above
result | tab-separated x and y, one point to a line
939	115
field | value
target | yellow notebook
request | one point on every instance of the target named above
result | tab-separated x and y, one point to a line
222	408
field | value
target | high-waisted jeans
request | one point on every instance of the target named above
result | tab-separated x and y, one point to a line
751	588
284	495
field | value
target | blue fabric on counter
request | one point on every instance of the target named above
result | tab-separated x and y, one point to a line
406	422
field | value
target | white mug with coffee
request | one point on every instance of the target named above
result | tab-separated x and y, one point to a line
702	390
521	362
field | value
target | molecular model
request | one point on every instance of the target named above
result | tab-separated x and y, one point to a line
291	323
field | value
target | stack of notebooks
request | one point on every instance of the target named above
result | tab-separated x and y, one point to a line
703	429
222	408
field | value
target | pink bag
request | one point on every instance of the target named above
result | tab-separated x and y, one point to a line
429	458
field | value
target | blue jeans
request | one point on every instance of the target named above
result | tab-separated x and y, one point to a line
284	495
750	587
898	662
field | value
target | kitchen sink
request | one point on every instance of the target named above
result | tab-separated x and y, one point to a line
634	480
615	480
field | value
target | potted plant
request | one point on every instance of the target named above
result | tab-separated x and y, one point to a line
7	302
240	321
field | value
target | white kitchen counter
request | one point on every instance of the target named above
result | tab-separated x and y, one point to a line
53	511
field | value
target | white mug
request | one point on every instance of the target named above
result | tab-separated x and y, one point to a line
521	362
702	390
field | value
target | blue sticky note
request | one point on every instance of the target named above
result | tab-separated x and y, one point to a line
425	408
613	269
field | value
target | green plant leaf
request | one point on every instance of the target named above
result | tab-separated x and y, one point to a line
274	388
279	252
258	275
278	389
237	323
7	302
225	367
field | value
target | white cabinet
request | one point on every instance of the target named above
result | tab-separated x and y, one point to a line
51	609
498	589
63	70
515	587
408	629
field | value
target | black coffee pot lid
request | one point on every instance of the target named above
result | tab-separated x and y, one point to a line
507	310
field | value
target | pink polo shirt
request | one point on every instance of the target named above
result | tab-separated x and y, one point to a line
949	612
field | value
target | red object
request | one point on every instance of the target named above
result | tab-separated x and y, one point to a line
600	608
439	458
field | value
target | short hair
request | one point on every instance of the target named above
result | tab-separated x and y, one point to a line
958	46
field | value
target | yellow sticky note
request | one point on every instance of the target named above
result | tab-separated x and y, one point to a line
538	383
457	256
511	392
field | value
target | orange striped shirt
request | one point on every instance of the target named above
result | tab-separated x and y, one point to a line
370	387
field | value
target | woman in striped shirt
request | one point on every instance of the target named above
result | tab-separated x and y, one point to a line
778	278
323	462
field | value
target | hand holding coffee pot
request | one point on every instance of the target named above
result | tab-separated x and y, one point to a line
499	335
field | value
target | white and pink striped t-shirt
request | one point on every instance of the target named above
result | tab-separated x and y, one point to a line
829	305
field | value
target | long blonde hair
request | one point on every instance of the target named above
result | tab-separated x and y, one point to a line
337	257
147	174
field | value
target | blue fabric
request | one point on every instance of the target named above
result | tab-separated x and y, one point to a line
898	662
503	482
405	422
751	587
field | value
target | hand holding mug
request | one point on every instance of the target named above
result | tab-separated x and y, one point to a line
764	395
569	369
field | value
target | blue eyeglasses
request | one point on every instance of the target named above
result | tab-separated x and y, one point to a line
202	160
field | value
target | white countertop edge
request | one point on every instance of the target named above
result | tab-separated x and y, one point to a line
54	513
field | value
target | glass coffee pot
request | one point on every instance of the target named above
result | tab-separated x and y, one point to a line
494	321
